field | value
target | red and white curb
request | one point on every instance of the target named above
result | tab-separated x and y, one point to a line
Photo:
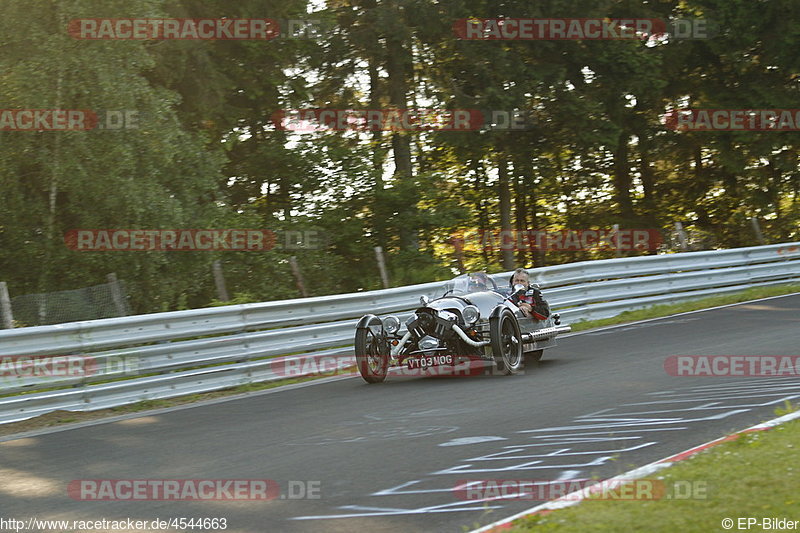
576	497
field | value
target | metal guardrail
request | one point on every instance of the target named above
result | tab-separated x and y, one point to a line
164	355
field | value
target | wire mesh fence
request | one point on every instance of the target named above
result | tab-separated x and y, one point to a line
99	301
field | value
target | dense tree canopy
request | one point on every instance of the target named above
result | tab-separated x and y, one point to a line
594	146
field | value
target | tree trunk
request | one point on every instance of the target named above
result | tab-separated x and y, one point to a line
504	192
649	206
55	175
538	256
622	181
398	67
483	215
520	214
775	179
377	134
378	219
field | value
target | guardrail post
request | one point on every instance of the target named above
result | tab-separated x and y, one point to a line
757	230
5	307
219	281
382	266
298	276
116	294
682	236
615	231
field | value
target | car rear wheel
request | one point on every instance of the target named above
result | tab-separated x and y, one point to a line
372	351
506	342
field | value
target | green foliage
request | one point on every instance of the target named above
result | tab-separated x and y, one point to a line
207	154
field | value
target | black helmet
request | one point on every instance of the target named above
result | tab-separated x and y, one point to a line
479	281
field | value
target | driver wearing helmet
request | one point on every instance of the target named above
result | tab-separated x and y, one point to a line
531	302
478	281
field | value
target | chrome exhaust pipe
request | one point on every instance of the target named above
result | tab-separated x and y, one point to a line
545	333
466	339
396	349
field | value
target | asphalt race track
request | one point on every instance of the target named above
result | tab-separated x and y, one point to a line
387	457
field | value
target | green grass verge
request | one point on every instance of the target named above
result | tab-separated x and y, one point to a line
753	476
658	311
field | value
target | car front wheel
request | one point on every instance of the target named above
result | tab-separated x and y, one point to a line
506	342
372	351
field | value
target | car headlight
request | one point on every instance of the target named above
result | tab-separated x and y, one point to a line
391	324
471	314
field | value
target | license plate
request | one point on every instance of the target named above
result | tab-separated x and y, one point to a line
429	361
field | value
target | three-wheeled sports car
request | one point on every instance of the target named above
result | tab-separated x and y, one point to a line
470	320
